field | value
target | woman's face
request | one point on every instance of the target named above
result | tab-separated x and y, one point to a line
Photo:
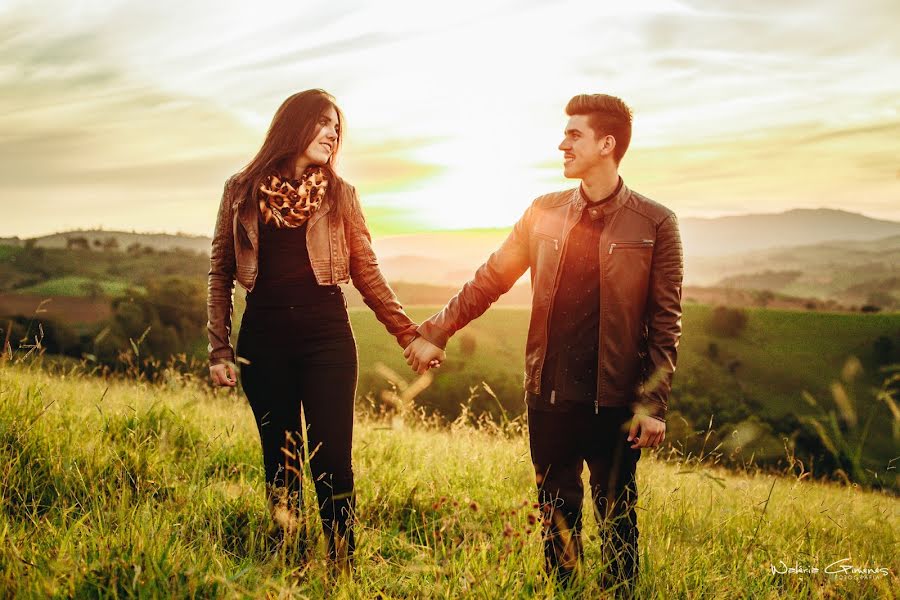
323	145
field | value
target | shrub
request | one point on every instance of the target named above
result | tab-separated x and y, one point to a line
467	344
727	321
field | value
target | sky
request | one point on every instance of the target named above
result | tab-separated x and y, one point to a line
130	115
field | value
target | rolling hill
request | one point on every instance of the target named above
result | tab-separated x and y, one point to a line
820	254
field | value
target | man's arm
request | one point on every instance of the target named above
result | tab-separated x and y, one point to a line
663	317
492	279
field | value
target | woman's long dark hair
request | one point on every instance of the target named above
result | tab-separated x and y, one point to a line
294	127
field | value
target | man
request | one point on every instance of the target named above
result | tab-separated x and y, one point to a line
606	272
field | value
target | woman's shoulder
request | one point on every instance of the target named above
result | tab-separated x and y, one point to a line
343	183
235	187
233	180
345	189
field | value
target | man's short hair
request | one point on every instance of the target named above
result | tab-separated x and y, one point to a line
607	115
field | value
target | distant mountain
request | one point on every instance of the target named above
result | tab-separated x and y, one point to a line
97	238
792	252
798	227
849	272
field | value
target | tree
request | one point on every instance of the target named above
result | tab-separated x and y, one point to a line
174	310
764	297
77	243
92	289
884	350
881	299
467	344
727	322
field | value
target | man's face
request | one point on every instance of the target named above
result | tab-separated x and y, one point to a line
582	148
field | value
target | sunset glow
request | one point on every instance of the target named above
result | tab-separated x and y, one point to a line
130	115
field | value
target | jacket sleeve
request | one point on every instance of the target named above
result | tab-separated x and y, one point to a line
220	290
492	279
367	277
663	317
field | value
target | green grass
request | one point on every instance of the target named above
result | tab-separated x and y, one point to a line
119	489
780	355
76	285
8	251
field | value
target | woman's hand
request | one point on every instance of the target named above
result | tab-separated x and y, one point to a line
422	355
223	374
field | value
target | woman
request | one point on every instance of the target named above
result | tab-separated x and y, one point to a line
289	230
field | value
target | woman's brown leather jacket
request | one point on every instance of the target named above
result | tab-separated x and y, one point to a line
340	250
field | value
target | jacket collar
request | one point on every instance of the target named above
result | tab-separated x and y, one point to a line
608	207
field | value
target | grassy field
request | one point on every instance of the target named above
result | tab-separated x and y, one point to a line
76	285
125	489
762	373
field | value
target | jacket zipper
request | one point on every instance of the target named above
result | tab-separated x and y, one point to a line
600	319
639	244
607	225
566	229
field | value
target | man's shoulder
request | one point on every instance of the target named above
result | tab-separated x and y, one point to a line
647	208
554	199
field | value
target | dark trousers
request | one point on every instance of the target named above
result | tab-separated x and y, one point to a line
304	356
561	442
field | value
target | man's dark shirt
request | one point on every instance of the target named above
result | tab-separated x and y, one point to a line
573	345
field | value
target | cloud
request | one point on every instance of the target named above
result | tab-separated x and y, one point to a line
450	107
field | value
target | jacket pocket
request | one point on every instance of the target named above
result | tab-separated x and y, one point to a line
548	238
630	245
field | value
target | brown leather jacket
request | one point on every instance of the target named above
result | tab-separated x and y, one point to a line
340	249
641	271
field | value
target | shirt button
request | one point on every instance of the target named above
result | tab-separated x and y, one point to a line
593	212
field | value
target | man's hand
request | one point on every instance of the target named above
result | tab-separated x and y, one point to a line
422	354
223	374
652	432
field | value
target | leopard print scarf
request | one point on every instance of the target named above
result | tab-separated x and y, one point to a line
290	202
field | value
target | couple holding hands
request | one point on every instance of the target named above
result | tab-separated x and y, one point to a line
606	270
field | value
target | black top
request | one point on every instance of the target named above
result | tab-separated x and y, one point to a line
570	367
285	276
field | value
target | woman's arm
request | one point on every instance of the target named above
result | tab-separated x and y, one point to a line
220	294
367	277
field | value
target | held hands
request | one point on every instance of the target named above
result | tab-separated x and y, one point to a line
223	374
422	355
652	432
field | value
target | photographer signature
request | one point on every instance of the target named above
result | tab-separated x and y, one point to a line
841	567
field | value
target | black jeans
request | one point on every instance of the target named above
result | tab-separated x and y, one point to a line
304	356
561	442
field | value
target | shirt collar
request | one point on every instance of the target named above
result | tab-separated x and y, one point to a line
596	210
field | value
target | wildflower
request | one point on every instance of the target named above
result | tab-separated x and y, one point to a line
474	506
